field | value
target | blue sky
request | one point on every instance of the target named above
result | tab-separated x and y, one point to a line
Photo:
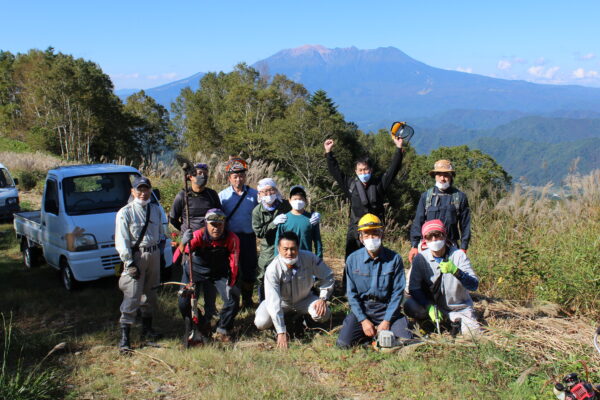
143	44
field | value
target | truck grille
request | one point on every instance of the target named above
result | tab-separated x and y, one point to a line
110	261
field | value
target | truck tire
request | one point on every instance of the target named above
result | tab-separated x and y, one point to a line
67	278
31	256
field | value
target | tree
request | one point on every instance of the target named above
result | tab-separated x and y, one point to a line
151	125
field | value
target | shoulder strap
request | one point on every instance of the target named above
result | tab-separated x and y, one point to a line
237	204
428	198
136	246
456	200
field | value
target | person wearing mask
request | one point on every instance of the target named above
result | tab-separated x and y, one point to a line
270	212
289	282
444	202
440	281
238	201
139	233
215	254
365	192
200	200
302	223
375	288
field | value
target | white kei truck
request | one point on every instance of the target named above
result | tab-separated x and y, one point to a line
9	194
75	228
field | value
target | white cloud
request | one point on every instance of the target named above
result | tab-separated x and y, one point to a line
168	75
540	72
581	73
588	56
468	70
540	61
503	64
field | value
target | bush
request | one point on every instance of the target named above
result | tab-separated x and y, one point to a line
29	179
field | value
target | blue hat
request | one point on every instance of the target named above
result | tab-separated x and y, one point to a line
141	181
215	215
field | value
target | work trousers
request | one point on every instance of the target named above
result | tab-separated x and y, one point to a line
469	326
263	320
352	332
138	293
209	288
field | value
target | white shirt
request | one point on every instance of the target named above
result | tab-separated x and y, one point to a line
285	287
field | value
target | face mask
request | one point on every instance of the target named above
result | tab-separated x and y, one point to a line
269	199
141	202
201	180
442	186
288	261
298	204
436	245
372	244
364	178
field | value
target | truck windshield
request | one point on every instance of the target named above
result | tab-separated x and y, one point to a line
5	179
93	194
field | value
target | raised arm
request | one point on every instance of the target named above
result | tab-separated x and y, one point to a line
334	167
395	165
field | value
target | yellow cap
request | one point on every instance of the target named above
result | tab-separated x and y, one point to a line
369	221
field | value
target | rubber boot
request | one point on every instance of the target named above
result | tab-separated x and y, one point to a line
147	331
124	343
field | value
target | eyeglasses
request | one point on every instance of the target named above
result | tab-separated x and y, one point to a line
268	191
434	235
199	172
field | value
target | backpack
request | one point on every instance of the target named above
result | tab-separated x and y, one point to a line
455	199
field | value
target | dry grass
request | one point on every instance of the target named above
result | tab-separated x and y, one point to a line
37	161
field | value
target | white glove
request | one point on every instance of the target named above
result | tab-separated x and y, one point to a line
280	219
315	218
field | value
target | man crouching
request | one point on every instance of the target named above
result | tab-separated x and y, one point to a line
288	283
375	288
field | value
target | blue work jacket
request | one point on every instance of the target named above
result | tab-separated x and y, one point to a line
380	279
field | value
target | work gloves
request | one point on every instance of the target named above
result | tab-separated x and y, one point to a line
448	267
133	271
280	219
187	237
315	218
434	313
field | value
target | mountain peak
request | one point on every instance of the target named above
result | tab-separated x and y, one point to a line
309	48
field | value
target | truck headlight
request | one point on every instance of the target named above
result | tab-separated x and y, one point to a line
85	242
11	201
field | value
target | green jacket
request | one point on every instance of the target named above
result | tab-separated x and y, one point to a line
262	224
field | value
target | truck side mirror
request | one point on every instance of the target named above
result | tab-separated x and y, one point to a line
16	180
156	193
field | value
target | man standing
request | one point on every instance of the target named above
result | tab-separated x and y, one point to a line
375	288
365	192
440	281
444	202
214	253
269	213
138	235
238	201
200	200
288	288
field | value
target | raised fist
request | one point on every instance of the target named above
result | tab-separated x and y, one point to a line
328	145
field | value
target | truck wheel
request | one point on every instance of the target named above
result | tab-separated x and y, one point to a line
30	256
67	277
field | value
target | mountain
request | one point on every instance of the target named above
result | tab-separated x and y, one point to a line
167	93
376	87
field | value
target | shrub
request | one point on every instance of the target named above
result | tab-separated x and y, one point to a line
29	179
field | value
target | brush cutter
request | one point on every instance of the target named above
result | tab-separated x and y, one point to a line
574	388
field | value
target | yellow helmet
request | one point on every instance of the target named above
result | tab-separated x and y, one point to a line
369	221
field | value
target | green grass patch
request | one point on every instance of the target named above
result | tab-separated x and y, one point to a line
7	144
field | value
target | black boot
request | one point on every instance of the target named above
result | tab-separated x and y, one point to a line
247	291
147	331
124	343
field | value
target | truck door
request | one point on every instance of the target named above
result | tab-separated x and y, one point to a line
51	224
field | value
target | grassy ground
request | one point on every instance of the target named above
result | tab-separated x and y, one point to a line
89	366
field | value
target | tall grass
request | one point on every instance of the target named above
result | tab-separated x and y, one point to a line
18	382
541	244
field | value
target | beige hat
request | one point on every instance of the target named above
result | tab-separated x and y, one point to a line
442	166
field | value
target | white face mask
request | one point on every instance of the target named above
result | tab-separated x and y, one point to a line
298	204
372	244
268	199
436	245
141	202
288	261
442	186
